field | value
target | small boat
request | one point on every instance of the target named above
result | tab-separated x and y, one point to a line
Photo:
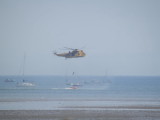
73	82
72	88
25	84
9	80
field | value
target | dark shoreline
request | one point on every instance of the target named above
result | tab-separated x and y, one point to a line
79	114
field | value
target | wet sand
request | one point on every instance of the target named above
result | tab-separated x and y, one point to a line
81	110
134	114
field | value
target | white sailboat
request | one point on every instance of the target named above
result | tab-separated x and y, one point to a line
24	82
8	80
73	84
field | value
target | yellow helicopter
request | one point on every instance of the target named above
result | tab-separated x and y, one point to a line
75	53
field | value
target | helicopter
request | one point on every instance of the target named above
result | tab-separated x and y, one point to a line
75	53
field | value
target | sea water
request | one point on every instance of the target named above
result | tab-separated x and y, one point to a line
93	92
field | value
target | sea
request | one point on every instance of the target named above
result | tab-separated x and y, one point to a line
89	92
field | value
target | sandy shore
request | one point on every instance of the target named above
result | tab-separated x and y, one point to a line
79	115
80	110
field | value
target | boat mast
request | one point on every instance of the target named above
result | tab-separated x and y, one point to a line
24	61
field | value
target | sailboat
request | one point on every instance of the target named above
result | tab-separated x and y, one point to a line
73	84
24	83
8	80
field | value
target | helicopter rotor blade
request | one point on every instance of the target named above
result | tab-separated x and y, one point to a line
69	48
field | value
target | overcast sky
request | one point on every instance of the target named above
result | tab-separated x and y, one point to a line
119	37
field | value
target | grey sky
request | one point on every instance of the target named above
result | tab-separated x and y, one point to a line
121	37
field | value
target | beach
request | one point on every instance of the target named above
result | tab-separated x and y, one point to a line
75	109
79	114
